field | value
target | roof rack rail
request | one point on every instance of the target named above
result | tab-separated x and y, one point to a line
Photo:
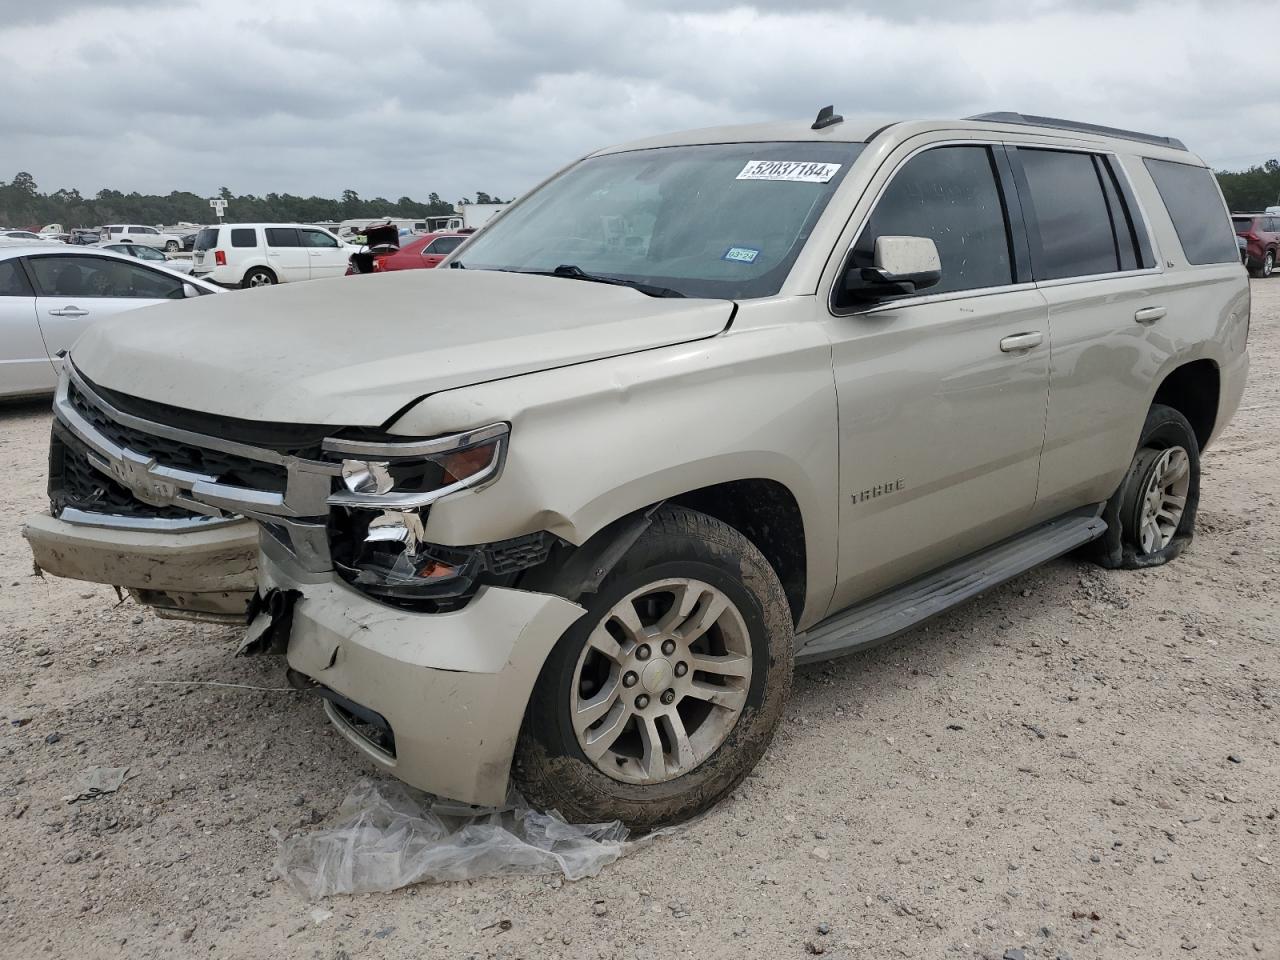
1009	116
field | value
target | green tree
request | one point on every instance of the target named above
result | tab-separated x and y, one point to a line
1254	189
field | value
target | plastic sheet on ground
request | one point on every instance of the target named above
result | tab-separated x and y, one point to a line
388	835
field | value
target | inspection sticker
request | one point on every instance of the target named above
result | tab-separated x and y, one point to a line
741	254
795	171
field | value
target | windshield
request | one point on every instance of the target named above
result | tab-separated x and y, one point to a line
718	220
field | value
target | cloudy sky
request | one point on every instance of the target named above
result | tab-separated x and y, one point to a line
395	97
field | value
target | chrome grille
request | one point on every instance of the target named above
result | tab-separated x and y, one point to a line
240	471
74	483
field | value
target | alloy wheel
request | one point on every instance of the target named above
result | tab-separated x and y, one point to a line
1164	499
661	681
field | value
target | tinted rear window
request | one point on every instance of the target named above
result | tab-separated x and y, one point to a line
1242	224
244	237
206	239
1195	205
1076	232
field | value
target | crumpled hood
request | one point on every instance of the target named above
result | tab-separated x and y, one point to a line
354	350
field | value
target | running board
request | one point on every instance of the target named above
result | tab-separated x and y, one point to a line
889	614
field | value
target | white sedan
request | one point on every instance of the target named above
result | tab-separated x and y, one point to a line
26	236
50	293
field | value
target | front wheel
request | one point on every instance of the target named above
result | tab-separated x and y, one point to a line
666	693
172	246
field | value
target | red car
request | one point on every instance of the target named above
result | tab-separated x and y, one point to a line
1261	232
424	251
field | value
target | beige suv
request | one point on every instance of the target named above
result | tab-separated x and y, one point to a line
696	409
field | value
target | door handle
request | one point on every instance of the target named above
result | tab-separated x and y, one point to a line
1150	314
1021	341
69	312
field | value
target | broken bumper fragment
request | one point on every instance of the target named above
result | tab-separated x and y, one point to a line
195	574
436	699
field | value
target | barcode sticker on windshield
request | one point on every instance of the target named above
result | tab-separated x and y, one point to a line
796	171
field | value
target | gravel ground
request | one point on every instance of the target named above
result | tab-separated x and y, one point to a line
1082	763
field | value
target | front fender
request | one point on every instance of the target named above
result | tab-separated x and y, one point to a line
597	441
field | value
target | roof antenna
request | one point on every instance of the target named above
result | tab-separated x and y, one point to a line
827	116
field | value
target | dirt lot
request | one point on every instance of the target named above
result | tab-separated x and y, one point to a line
1082	763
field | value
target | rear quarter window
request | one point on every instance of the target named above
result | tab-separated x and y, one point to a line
1193	200
244	237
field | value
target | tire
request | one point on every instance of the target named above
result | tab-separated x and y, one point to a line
172	246
1268	264
1131	541
258	277
680	553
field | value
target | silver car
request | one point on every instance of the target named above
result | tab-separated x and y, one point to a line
49	294
151	255
567	510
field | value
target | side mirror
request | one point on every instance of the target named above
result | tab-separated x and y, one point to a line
190	290
903	267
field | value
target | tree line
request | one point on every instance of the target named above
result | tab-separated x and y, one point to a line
1254	189
22	205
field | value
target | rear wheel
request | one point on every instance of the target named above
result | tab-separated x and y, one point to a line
667	692
1152	515
1269	263
172	246
258	277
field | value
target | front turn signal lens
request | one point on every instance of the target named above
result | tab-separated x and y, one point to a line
467	463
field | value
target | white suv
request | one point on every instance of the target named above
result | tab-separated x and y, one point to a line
262	254
147	236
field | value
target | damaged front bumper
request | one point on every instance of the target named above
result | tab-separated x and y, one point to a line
193	574
435	699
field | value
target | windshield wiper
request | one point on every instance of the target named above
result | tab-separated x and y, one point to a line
574	272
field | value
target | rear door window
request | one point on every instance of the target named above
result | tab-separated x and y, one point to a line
13	281
443	245
950	195
283	237
1077	236
1194	202
244	237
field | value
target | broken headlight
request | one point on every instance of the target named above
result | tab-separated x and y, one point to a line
378	515
410	475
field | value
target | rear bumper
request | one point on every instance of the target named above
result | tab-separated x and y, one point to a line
450	688
201	571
